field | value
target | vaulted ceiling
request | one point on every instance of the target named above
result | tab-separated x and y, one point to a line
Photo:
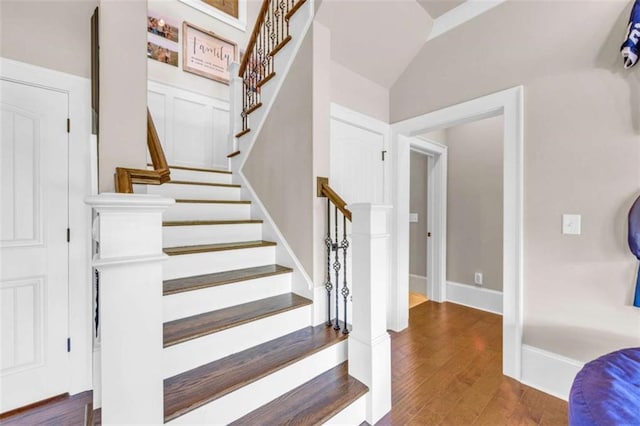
379	38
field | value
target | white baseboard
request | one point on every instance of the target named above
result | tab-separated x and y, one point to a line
548	372
418	283
475	297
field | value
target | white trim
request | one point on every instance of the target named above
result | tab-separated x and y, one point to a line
549	372
82	172
420	282
461	14
436	214
365	122
475	297
239	23
508	102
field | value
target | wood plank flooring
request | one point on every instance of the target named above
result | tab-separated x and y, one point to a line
447	370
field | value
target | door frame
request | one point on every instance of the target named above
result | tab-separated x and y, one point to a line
436	215
82	182
510	103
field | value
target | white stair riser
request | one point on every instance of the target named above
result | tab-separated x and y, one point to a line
191	192
354	414
195	176
207	211
246	399
195	302
173	236
196	352
186	265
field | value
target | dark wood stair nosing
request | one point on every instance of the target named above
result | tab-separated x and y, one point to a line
243	132
307	403
199	282
280	45
280	306
337	338
209	248
266	79
253	108
294	9
233	154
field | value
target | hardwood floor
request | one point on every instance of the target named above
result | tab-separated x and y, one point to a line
447	370
415	299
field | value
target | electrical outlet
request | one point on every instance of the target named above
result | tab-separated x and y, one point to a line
478	278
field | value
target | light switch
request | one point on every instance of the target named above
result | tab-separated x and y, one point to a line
413	217
571	224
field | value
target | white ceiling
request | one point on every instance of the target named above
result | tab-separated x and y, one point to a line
437	8
375	38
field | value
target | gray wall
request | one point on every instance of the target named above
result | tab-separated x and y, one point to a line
280	166
51	34
418	204
474	202
358	93
581	154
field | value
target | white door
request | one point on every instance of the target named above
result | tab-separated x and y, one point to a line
357	169
33	244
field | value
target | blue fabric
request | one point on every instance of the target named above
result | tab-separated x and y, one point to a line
634	243
607	391
629	48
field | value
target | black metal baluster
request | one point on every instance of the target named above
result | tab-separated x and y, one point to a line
336	267
345	290
327	285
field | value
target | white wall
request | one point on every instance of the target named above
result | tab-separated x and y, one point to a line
474	202
356	92
581	155
51	34
179	12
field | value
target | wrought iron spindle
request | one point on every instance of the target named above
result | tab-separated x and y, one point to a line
328	285
336	268
345	290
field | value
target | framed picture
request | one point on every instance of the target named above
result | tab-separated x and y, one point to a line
162	39
232	12
207	54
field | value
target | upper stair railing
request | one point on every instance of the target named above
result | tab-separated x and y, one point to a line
270	34
336	245
125	177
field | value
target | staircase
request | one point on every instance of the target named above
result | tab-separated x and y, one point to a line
239	346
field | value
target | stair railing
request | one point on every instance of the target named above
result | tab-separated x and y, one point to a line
334	246
270	34
125	177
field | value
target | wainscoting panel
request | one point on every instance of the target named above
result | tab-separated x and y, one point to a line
193	128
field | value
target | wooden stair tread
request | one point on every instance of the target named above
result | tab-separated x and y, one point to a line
210	222
213	201
197	169
197	282
204	248
266	79
184	329
234	153
188	182
195	388
312	403
242	133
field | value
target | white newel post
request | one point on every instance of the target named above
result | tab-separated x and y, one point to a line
235	105
369	342
128	229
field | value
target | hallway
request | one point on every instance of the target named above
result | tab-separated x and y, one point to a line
446	369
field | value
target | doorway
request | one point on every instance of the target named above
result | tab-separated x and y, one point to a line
509	103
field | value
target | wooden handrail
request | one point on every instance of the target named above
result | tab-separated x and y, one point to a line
254	36
125	177
324	190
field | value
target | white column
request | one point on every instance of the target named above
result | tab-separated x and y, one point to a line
235	103
369	343
128	229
